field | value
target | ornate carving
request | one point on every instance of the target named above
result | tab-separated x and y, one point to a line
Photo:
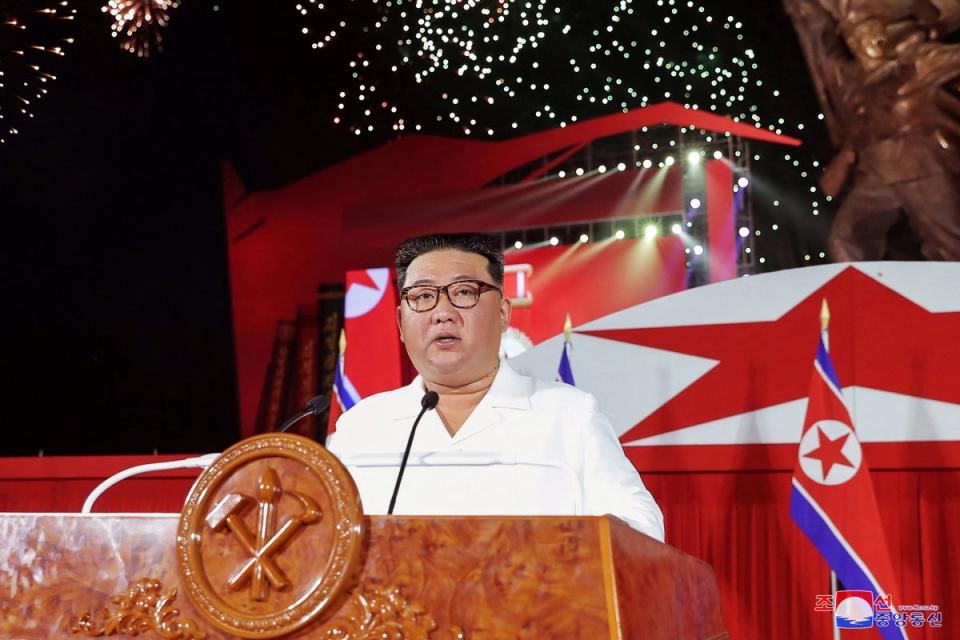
382	613
214	567
141	610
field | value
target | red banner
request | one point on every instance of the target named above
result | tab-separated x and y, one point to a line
589	280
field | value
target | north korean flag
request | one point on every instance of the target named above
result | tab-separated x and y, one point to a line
369	361
833	500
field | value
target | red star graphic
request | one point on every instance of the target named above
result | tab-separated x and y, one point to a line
829	452
878	339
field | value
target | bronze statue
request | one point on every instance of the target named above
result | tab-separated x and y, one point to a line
887	78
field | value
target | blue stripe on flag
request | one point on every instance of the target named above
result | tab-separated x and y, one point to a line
823	359
848	570
346	393
565	370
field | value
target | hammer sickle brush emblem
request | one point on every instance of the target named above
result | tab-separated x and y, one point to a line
267	543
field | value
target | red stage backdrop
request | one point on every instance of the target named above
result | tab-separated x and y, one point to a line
716	378
589	280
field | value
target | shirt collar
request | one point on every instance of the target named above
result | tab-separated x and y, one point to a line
509	390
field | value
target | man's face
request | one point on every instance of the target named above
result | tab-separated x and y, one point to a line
868	43
448	345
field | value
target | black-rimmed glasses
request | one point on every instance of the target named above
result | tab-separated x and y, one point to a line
463	294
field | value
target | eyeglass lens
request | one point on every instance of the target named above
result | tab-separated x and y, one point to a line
461	294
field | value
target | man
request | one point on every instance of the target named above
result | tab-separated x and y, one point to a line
552	450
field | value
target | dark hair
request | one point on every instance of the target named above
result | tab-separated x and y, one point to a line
478	243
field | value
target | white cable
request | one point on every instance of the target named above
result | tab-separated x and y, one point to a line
201	462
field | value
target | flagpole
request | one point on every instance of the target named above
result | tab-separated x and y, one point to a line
824	324
833	592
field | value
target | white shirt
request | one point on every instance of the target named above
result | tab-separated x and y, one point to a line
529	448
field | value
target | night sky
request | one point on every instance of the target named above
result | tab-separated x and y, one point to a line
115	300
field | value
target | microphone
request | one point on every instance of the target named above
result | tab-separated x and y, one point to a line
314	407
429	401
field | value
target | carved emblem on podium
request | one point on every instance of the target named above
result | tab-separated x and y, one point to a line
267	543
270	537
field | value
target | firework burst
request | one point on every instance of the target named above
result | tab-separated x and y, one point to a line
138	23
32	40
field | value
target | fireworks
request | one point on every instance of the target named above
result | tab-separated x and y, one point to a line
499	68
31	42
138	23
550	64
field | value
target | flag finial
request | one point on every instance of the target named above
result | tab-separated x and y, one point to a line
567	329
824	315
343	341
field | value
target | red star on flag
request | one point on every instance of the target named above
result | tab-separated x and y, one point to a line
830	452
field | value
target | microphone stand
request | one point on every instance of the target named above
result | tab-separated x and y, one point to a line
429	401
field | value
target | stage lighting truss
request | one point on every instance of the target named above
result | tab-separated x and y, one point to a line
649	228
648	149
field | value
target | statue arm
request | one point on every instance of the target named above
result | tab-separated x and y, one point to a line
829	65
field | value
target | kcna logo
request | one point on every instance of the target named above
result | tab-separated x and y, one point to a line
854	609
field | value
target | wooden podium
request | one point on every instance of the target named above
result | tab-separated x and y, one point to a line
307	566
